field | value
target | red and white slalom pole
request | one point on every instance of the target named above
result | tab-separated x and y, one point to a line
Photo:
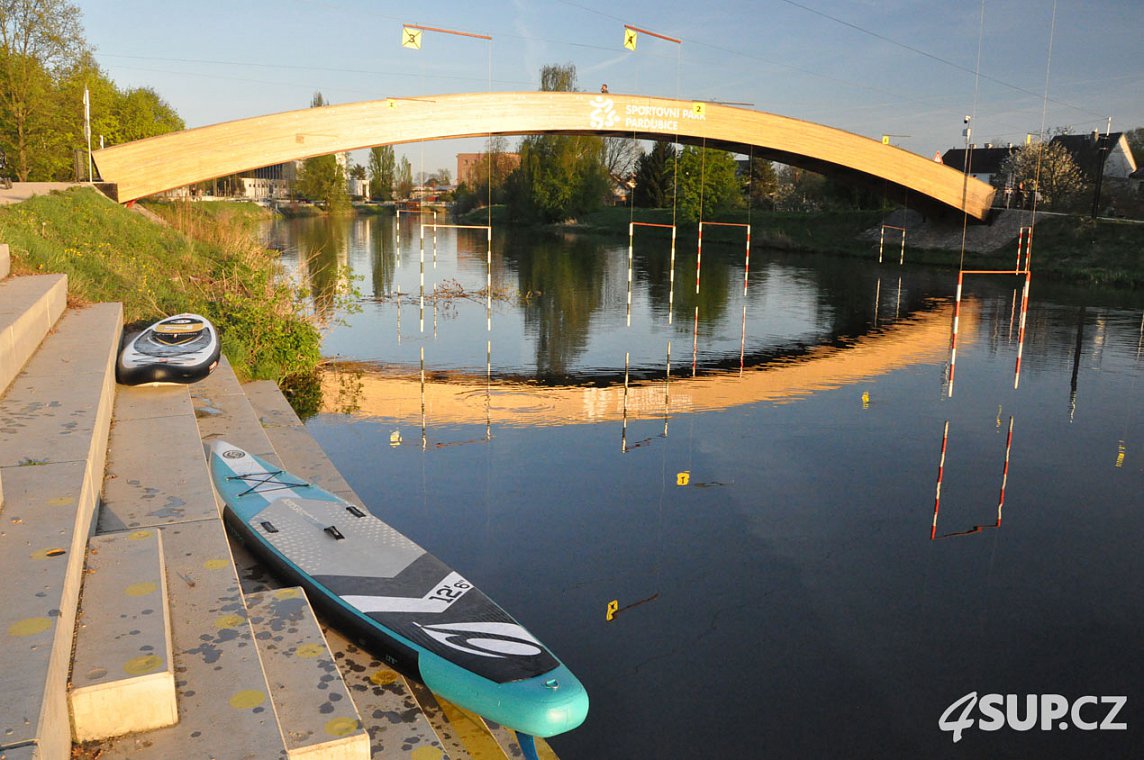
1021	329
953	333
1005	471
940	472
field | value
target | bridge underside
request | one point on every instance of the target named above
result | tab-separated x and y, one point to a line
145	167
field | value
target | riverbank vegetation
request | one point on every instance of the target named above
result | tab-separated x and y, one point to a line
202	257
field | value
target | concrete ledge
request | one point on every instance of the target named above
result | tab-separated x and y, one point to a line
315	713
29	307
391	715
5	261
123	677
223	412
53	441
225	708
156	474
42	541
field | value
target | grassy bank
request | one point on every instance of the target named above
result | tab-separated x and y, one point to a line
1072	249
207	258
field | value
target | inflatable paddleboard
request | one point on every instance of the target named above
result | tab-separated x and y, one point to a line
395	599
179	349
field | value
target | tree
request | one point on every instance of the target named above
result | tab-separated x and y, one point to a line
707	184
1135	139
560	176
762	183
322	179
653	176
404	188
39	40
382	165
1045	167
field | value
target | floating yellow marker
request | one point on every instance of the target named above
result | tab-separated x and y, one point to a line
683	478
411	38
630	38
395	438
613	608
1121	450
865	399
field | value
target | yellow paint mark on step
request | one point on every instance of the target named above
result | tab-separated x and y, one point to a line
308	651
29	626
61	501
247	699
142	588
426	753
343	726
383	677
138	666
287	593
139	535
215	564
228	621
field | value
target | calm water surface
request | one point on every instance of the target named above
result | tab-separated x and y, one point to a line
763	514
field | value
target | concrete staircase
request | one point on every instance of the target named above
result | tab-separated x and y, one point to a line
129	624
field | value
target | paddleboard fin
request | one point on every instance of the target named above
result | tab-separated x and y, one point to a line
527	746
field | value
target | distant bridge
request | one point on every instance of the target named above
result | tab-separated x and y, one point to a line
173	160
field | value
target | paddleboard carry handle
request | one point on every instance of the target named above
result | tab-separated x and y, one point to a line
333	531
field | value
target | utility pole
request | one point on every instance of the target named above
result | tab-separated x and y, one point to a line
1103	148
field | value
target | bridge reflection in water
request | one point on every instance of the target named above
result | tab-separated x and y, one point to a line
400	394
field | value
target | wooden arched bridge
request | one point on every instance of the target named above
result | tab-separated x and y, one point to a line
173	160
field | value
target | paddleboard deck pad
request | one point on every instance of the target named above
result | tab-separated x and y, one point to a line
179	349
396	599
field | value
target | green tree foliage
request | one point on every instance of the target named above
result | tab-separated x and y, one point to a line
560	176
654	176
40	40
762	183
1046	167
44	67
322	178
707	184
404	181
382	166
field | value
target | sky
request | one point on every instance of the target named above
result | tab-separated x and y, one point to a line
912	69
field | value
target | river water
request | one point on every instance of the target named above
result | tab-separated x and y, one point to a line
762	517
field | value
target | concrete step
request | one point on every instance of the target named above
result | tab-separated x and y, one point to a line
5	261
225	708
391	715
29	307
123	676
156	472
54	422
315	713
157	480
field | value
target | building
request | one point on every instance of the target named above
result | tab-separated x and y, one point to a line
1086	151
468	164
984	163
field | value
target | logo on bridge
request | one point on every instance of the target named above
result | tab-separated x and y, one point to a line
603	113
